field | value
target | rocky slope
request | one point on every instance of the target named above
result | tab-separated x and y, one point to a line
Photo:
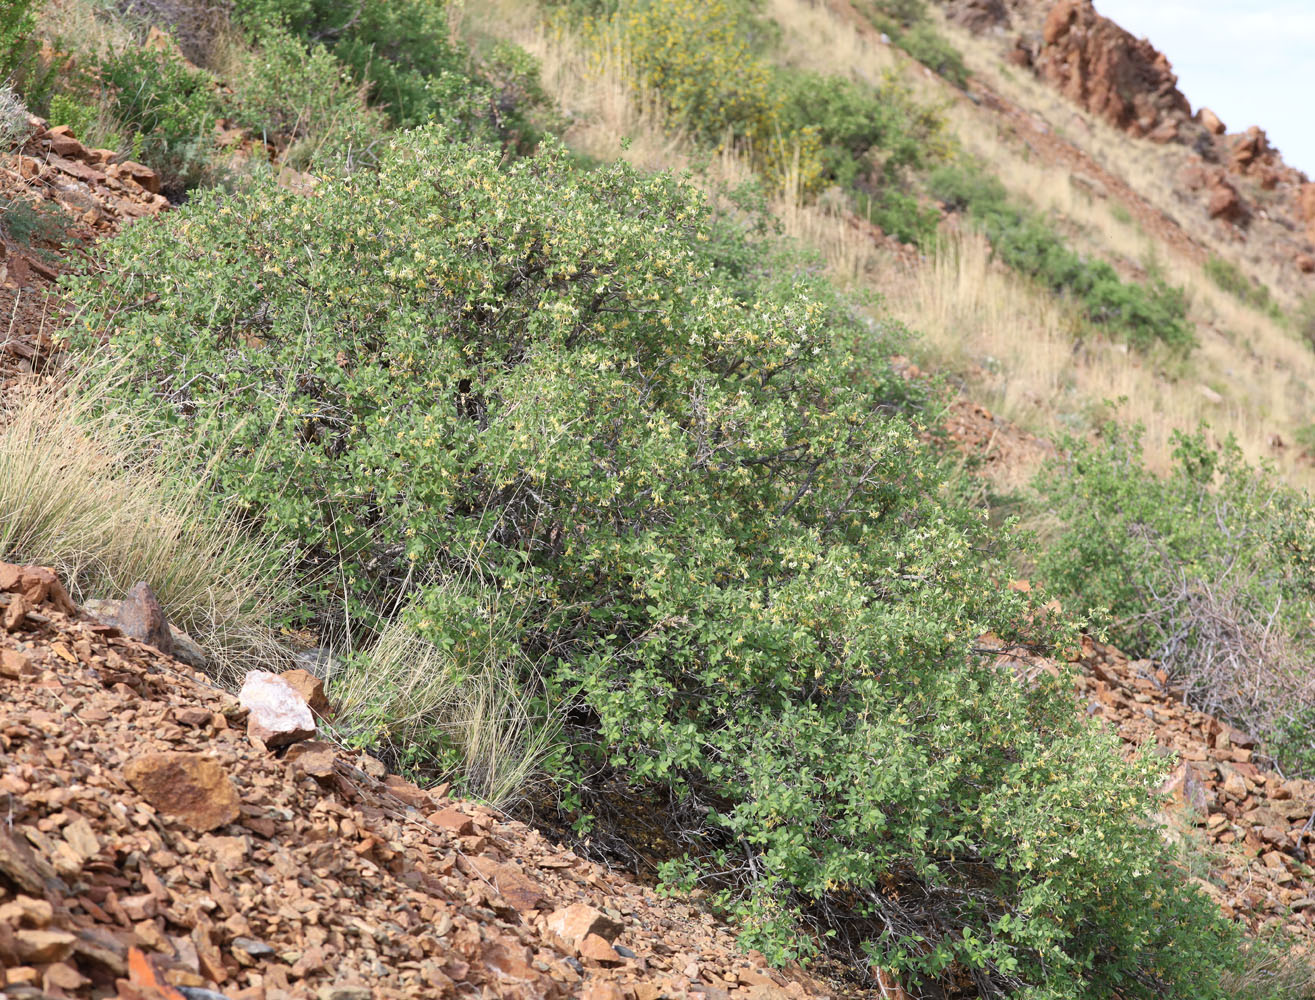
56	197
165	839
151	833
1249	828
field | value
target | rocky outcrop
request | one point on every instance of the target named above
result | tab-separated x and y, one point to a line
1104	69
978	15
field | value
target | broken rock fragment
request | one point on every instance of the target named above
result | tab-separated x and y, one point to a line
141	617
189	787
572	924
278	714
311	689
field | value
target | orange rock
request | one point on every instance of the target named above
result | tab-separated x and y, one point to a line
1210	121
454	821
38	947
596	949
574	923
311	689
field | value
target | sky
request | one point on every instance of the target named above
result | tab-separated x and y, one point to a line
1251	62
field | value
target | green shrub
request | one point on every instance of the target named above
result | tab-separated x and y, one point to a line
867	134
91	124
17	22
901	215
699	57
907	24
1210	570
1230	278
1143	313
743	576
169	108
28	222
402	50
306	100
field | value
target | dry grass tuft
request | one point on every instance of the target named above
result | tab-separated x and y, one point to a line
470	713
76	494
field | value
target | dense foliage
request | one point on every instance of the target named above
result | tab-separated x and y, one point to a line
169	106
696	513
1144	314
17	21
699	58
1210	570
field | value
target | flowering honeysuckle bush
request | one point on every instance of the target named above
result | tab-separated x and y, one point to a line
715	528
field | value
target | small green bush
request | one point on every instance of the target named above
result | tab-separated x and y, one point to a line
742	574
699	57
169	108
29	223
17	22
1230	278
402	50
304	99
1210	570
867	134
1145	314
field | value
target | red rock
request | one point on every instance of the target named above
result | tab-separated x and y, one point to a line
1305	263
1104	69
313	757
1225	203
977	15
596	949
277	714
193	715
16	665
1210	121
189	787
408	792
454	821
38	585
15	614
311	689
601	989
24	911
143	176
572	924
1187	790
141	617
522	893
63	976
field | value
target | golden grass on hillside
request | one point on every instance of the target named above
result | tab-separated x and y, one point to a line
74	495
1008	338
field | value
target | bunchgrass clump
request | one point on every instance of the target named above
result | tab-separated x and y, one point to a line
79	492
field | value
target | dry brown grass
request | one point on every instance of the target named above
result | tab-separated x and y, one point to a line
1013	344
470	714
77	494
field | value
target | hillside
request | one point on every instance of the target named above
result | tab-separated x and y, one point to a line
641	419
